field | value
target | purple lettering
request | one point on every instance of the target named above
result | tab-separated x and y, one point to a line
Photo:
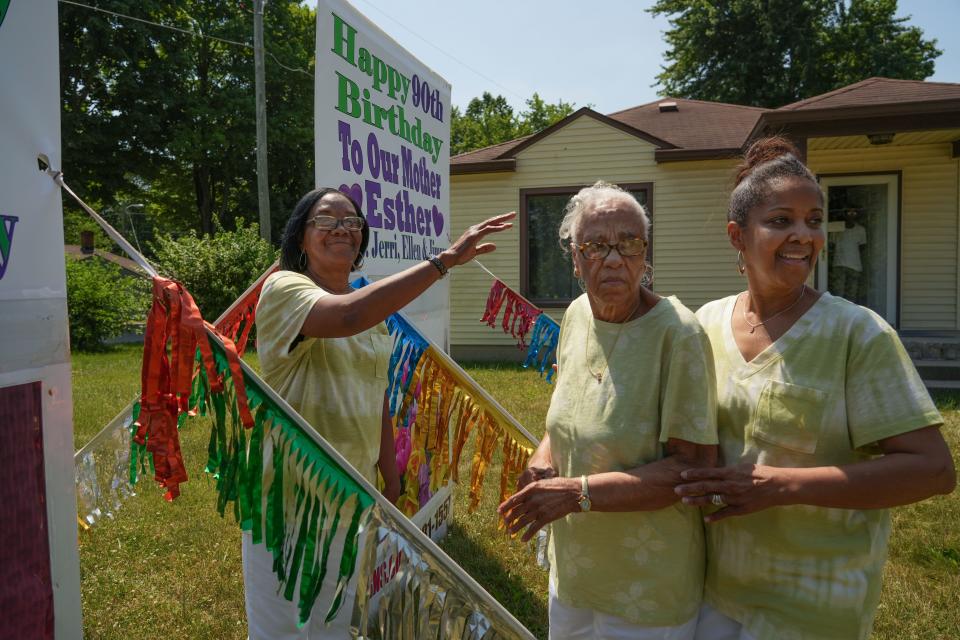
344	135
389	217
372	188
373	156
420	218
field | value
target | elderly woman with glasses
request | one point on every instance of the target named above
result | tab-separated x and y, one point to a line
325	349
634	406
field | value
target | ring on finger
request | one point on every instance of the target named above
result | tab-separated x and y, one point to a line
717	499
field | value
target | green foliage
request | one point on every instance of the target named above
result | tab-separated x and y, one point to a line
217	268
102	301
769	53
491	120
168	119
74	222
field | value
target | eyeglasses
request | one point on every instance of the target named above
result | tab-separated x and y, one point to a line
329	223
599	250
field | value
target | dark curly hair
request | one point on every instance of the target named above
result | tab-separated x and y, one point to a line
767	160
293	233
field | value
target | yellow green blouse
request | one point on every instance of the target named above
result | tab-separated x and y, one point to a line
823	394
336	384
657	383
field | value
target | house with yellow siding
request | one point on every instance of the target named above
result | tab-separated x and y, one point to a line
887	154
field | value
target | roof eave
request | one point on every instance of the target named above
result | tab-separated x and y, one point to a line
487	166
861	119
681	155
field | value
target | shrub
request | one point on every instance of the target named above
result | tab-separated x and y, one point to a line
102	302
215	269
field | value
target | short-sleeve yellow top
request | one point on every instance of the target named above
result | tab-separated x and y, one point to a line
834	384
336	384
656	383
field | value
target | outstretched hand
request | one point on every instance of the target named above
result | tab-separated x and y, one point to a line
468	246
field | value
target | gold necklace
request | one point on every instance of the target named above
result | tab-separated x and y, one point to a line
586	344
753	327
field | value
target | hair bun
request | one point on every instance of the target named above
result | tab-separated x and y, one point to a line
765	150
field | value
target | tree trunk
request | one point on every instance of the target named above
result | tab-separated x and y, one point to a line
203	186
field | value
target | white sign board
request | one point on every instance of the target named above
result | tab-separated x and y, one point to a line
34	343
382	123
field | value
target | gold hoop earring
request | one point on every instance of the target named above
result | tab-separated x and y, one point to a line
741	266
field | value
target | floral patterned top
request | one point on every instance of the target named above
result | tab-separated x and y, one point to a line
656	383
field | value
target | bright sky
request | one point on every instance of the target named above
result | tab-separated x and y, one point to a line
606	53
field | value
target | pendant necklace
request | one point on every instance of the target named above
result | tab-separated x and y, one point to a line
753	326
586	344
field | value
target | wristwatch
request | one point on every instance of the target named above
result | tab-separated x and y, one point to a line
435	261
584	500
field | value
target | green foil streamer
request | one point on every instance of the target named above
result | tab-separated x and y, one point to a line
285	490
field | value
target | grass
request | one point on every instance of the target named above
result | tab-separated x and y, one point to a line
161	569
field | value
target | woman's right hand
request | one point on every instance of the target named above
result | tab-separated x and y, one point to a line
467	246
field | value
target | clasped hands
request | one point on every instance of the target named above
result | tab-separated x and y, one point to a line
543	497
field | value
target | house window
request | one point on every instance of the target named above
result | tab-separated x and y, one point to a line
545	270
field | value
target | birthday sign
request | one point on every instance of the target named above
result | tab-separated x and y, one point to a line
382	136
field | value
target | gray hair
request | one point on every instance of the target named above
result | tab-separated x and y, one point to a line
767	160
589	197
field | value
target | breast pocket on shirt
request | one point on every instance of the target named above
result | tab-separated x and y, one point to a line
382	349
789	416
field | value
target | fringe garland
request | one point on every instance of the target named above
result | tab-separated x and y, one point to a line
167	380
543	345
518	318
434	424
285	490
518	314
237	324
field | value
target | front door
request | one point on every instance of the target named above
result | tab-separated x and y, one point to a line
861	260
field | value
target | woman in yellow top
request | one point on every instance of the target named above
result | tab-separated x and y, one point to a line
325	349
633	406
824	424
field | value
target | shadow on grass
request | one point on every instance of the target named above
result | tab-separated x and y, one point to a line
508	589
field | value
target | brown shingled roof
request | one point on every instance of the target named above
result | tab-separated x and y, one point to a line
487	153
699	129
873	91
696	124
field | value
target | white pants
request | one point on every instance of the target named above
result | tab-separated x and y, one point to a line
270	616
572	623
713	625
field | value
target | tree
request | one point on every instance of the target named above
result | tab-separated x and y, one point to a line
491	120
168	118
769	53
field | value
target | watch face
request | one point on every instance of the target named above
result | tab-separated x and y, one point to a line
584	503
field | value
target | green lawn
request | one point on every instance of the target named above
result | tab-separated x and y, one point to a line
161	569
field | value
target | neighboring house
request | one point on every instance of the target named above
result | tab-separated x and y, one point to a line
77	252
887	151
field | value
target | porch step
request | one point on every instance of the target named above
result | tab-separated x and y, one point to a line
942	384
937	359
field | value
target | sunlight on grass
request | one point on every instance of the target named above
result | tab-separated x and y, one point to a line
162	569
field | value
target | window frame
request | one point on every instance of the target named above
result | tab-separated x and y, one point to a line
568	191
